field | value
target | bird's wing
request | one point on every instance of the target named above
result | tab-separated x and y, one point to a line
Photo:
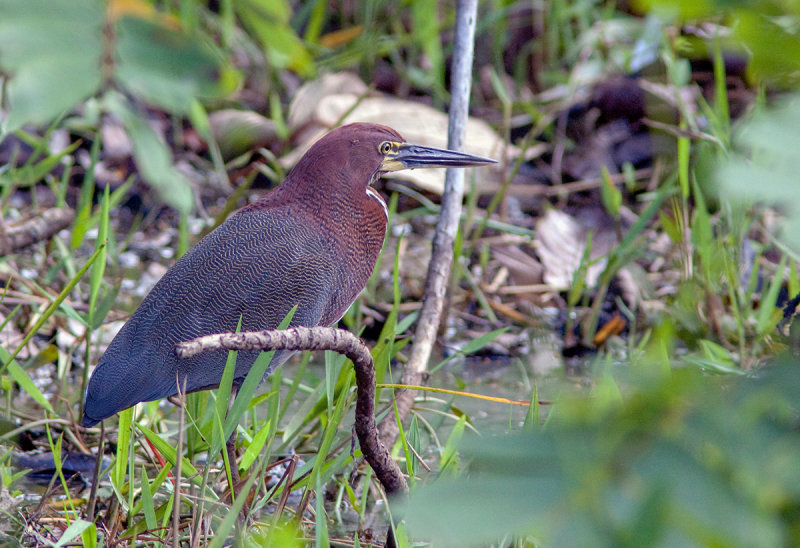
253	266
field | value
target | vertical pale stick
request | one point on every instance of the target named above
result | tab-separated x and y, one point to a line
447	227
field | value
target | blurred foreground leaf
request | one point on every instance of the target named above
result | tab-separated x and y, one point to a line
764	167
56	53
769	30
684	461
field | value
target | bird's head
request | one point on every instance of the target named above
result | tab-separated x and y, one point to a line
362	151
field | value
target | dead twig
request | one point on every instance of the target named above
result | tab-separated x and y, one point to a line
38	228
321	338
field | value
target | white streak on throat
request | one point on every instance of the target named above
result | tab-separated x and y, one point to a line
374	195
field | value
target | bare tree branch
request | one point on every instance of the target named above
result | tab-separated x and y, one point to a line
447	227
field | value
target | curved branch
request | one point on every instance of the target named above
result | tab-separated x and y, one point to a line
321	338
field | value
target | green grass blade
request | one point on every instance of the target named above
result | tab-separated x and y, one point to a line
532	417
81	224
147	501
219	435
52	307
297	420
471	347
221	534
330	430
25	383
255	447
57	452
321	529
123	444
153	488
683	163
89	535
170	454
449	460
99	266
768	315
116	198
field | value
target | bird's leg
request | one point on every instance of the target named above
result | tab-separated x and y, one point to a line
230	449
96	478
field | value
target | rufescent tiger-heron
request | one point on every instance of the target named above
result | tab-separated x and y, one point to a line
312	242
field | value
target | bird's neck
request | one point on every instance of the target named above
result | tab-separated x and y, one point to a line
323	195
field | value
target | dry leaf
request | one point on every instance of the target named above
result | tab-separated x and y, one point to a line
560	242
524	269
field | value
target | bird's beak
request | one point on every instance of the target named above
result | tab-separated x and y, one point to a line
408	156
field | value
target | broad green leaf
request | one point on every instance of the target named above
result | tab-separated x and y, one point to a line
269	22
427	33
59	52
677	460
763	168
773	42
454	513
53	49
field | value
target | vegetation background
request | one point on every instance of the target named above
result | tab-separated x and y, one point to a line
628	270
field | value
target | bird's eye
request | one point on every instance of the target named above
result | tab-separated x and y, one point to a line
386	147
